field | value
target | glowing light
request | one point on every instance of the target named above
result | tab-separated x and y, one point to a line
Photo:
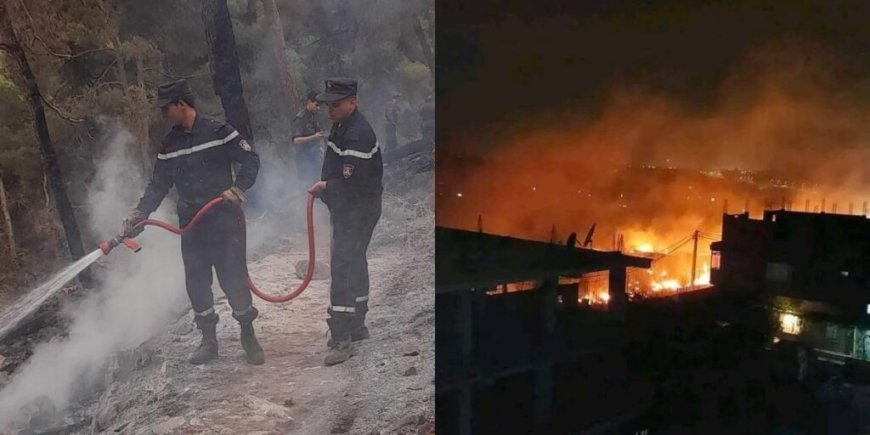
704	277
604	297
644	247
459	194
790	323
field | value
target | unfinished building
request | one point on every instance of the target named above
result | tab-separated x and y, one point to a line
513	324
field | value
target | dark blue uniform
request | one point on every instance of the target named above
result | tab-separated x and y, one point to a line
353	170
199	164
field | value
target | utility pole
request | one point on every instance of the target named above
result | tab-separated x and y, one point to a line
695	236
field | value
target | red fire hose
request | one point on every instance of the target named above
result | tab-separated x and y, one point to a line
122	239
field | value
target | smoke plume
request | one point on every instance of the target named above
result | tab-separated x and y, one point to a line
141	293
791	112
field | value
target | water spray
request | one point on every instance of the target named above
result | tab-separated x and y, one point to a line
23	308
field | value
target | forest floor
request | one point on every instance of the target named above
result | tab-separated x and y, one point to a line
387	387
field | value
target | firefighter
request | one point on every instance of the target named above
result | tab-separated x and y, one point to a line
351	187
307	138
196	157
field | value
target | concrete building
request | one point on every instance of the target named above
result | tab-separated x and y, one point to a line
812	270
510	333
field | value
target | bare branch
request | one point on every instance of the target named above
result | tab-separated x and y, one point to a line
61	113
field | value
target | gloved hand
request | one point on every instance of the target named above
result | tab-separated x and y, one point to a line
234	195
131	224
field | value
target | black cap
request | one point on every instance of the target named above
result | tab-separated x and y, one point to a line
337	89
312	96
169	92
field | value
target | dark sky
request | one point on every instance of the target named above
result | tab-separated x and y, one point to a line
504	59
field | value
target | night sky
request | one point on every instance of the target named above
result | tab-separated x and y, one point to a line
501	61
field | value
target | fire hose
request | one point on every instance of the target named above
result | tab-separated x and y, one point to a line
124	239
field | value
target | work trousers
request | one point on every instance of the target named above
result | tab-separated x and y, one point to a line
352	230
216	242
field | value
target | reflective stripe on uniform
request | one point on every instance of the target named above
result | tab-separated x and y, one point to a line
200	147
207	312
353	153
342	309
362	298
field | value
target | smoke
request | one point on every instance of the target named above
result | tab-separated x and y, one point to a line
790	108
141	293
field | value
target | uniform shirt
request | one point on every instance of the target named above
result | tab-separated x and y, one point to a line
352	167
304	125
199	164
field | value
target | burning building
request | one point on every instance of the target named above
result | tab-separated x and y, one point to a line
813	270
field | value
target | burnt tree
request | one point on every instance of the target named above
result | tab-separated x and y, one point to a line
7	220
10	42
282	62
224	65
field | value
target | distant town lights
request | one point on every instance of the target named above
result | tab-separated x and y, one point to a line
459	194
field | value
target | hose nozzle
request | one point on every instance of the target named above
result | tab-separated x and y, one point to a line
120	239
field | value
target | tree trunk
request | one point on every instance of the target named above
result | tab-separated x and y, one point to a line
282	62
7	219
16	53
140	107
428	53
224	65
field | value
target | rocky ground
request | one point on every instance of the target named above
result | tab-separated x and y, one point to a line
386	388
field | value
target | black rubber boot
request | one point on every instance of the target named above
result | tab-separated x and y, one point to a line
340	348
359	331
253	351
208	348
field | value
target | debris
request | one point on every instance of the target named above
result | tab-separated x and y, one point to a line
409	351
413	420
169	426
265	407
288	403
410	372
321	270
183	327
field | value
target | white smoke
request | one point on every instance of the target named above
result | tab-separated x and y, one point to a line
141	292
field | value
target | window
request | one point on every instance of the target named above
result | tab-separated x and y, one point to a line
790	323
778	272
715	260
832	332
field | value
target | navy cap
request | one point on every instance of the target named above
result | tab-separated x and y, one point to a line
169	92
337	89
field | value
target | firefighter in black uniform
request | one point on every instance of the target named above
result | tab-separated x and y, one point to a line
196	157
307	139
351	187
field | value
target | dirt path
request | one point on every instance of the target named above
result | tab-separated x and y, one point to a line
386	388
